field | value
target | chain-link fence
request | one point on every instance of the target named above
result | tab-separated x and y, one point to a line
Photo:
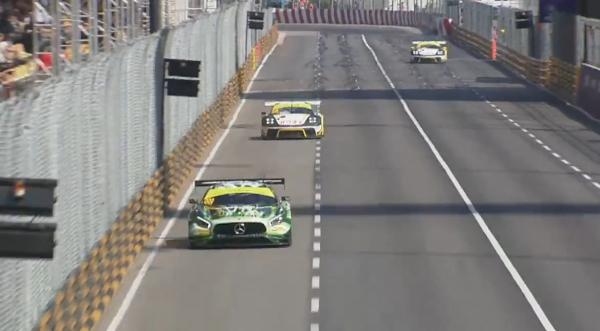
94	128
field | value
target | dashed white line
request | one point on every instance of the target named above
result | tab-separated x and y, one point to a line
314	327
315	283
317	232
318	196
317	169
316	262
539	141
535	306
317	219
317	187
318	148
317	161
317	206
318	155
314	305
317	246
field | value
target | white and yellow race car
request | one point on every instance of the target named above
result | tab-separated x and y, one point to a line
429	50
292	119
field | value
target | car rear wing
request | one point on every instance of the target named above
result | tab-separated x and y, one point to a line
267	181
441	43
311	102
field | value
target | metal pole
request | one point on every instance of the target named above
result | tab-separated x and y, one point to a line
55	37
93	26
75	34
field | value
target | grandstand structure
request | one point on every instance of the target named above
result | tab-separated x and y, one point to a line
40	38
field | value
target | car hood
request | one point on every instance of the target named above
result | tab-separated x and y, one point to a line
291	119
427	51
239	213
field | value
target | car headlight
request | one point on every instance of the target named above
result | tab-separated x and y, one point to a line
440	52
269	121
276	220
313	120
202	222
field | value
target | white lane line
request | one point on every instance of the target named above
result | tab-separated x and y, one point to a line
317	196
317	219
317	169
318	155
315	282
314	327
317	206
535	306
118	318
316	262
317	161
317	232
314	305
317	246
318	148
596	184
540	142
586	176
317	187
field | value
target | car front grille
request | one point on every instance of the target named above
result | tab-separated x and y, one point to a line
230	229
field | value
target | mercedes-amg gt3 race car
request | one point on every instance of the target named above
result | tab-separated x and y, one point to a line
292	119
240	212
429	50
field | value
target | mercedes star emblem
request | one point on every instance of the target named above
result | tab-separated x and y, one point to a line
239	228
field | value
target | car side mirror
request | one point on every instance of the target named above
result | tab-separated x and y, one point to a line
193	201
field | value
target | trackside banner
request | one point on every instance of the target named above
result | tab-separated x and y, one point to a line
588	97
342	16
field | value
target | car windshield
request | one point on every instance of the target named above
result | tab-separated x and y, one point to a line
243	199
295	110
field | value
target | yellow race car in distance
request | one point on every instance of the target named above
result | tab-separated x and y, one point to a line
429	50
292	119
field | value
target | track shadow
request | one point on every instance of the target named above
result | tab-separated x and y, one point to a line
498	94
446	209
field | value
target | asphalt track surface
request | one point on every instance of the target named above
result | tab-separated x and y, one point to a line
398	248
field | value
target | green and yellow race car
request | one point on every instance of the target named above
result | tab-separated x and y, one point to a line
429	50
240	212
293	119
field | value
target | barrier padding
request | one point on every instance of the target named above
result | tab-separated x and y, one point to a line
89	289
350	16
